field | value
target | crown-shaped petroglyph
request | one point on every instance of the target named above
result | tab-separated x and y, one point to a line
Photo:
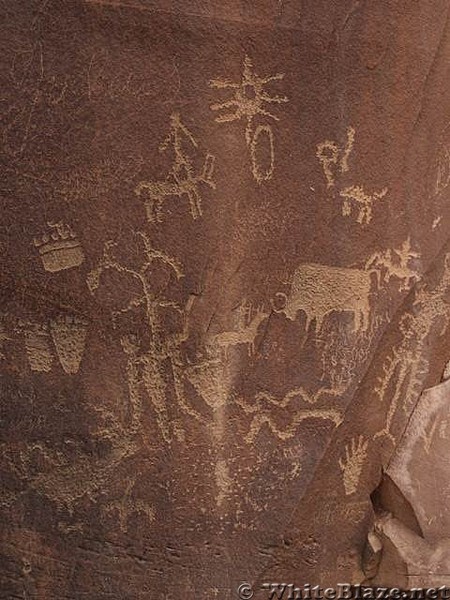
59	248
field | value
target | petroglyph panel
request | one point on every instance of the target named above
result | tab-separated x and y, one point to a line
251	101
182	179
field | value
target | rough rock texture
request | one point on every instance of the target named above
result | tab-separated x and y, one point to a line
225	284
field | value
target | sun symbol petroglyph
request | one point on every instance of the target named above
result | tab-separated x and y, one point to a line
250	100
60	249
353	462
266	405
182	179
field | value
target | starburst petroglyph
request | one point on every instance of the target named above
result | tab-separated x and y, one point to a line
249	101
182	180
353	462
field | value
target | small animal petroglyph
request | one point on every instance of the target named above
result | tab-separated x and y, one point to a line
59	249
38	349
357	202
248	102
356	198
335	158
245	334
266	406
352	464
319	290
69	337
182	179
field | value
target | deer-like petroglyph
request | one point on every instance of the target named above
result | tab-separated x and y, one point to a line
245	332
182	179
352	463
318	290
249	101
60	248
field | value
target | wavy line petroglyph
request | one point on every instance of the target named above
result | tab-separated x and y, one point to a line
60	249
406	367
352	464
265	405
182	179
249	102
